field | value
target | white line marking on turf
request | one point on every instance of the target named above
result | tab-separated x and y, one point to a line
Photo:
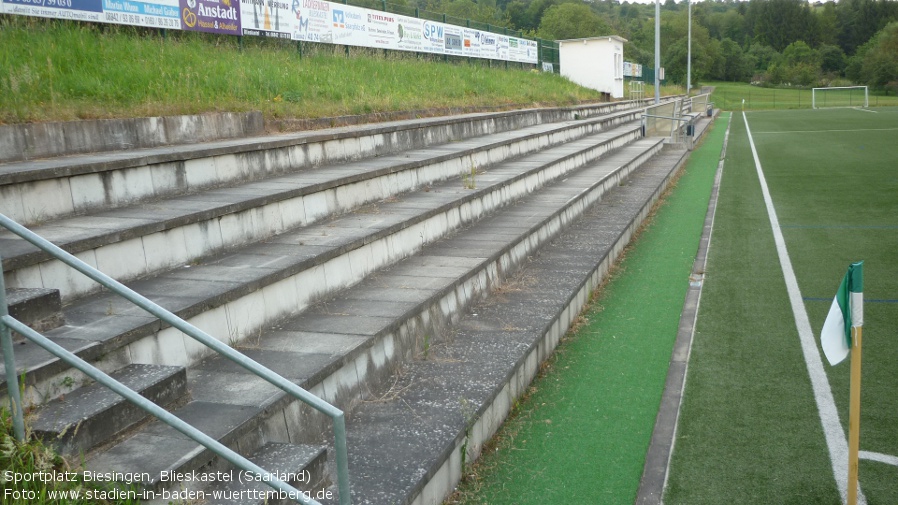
881	458
865	110
826	406
833	131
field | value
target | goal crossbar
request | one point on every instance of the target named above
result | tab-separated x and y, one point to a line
840	96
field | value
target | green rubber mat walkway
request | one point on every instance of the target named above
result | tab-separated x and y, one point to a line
581	434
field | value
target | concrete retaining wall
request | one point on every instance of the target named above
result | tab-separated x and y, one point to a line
44	140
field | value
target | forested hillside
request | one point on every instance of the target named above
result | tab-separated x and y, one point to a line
765	41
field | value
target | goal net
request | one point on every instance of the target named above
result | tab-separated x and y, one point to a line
847	96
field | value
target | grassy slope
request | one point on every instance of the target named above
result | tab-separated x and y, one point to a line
749	431
56	70
582	434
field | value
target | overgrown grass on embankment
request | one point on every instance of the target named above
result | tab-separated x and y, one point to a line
61	70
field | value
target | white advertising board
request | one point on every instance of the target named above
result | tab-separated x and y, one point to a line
302	20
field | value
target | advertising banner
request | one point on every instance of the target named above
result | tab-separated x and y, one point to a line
453	43
313	20
214	16
434	37
529	51
383	31
471	43
155	14
348	25
489	46
502	47
411	34
78	10
302	20
522	50
267	18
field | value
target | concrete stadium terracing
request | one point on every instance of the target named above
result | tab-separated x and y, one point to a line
413	273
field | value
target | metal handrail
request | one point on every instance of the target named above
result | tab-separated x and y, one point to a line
7	322
672	118
689	119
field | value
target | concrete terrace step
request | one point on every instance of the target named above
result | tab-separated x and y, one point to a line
38	308
165	459
93	415
411	440
37	191
302	466
341	348
142	239
233	296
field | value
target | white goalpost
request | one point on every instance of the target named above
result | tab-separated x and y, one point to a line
844	96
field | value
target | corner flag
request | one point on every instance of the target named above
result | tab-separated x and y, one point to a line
846	311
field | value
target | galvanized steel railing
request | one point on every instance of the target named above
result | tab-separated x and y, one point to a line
675	119
8	323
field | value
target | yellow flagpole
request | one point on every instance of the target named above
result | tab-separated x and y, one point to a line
854	415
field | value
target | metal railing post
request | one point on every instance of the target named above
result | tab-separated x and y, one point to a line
9	361
340	447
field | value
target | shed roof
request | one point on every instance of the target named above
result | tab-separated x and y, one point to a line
604	37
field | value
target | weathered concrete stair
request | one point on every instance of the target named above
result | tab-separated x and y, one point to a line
303	467
92	415
32	192
38	308
342	348
411	441
381	286
142	239
233	296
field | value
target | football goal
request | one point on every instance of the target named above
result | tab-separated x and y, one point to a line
846	96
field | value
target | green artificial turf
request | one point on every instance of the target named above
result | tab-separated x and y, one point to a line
582	433
749	430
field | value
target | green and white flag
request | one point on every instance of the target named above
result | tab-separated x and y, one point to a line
847	311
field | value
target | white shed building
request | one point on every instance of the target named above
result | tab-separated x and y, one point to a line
594	62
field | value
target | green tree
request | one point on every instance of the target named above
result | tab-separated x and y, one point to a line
879	63
778	23
828	24
763	56
483	11
674	29
799	52
571	21
517	15
776	73
859	20
832	59
734	65
801	64
803	74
